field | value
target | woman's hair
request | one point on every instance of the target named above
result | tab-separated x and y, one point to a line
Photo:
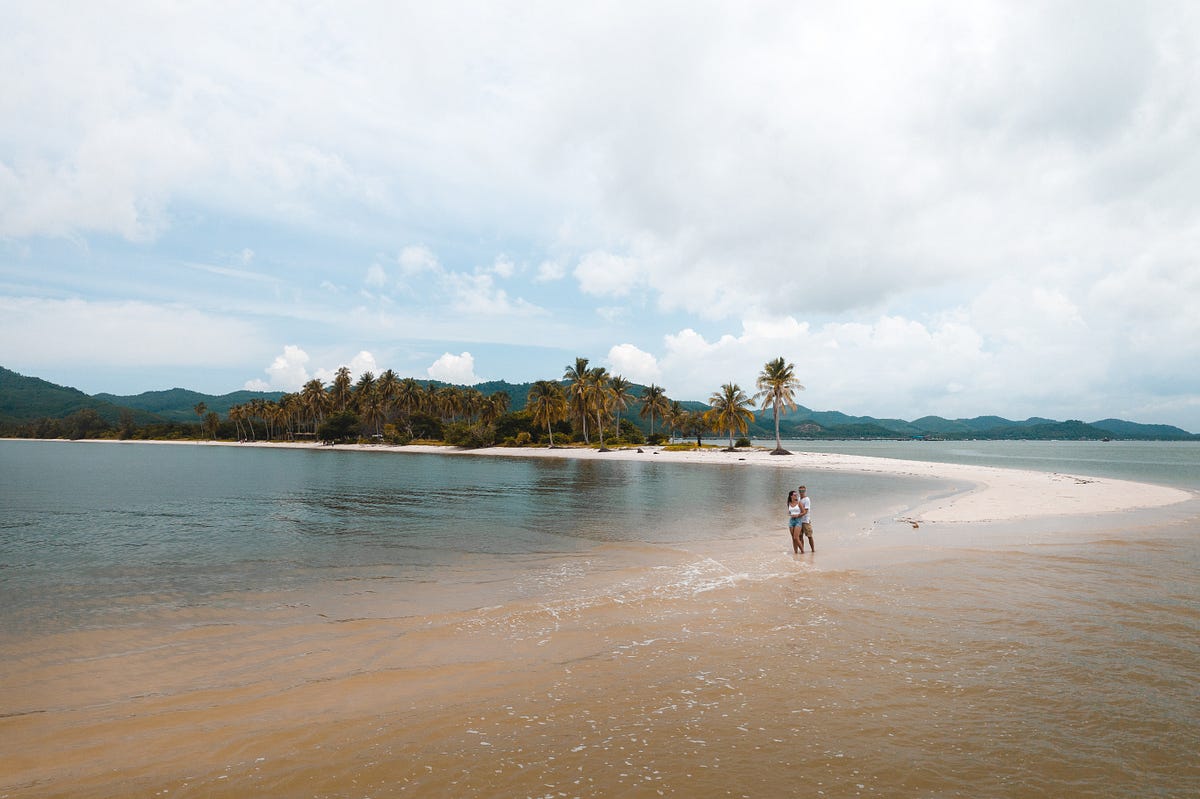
792	494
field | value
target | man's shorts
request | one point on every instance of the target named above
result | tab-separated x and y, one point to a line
806	529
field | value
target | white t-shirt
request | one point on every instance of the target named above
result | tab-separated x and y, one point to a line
806	504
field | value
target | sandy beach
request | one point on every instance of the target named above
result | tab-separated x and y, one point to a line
997	494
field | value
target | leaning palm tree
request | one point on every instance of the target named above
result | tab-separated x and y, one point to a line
314	401
576	377
548	403
731	410
777	387
654	403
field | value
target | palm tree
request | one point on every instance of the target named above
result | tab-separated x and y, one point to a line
388	388
576	378
364	390
654	403
342	388
675	417
313	401
548	403
731	410
777	387
597	393
495	406
200	410
621	395
410	395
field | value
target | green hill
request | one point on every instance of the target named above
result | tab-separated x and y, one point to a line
178	404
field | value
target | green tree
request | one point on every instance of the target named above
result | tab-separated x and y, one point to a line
777	387
548	403
342	389
619	387
730	410
598	398
339	427
576	377
654	403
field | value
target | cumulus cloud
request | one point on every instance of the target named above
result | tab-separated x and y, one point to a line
416	259
607	274
288	372
457	369
550	271
634	364
376	277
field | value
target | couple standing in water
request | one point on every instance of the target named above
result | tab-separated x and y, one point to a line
799	522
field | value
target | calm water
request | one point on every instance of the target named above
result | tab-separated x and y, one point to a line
236	621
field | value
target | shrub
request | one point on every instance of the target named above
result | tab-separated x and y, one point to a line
743	442
655	439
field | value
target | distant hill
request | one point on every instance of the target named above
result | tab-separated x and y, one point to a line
179	404
24	399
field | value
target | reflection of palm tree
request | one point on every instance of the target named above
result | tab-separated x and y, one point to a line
548	404
654	403
731	410
777	387
576	378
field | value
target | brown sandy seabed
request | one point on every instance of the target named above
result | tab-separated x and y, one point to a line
639	687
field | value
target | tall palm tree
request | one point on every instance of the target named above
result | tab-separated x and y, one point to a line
654	403
576	377
619	387
598	398
313	400
731	410
388	387
341	390
548	403
777	387
410	395
364	390
675	417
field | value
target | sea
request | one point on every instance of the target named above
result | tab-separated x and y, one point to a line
220	621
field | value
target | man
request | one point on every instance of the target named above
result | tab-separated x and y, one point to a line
805	520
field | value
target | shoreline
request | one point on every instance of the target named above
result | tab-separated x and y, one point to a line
997	495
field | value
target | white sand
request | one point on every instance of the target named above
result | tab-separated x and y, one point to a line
998	494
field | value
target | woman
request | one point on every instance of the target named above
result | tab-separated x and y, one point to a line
795	511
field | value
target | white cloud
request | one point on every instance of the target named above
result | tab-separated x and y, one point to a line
458	369
607	274
503	266
416	259
117	334
288	372
376	278
634	364
549	271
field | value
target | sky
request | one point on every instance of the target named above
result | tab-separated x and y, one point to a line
938	208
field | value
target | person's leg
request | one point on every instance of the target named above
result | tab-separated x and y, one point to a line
797	542
806	530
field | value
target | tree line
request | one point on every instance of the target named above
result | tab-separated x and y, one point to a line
587	405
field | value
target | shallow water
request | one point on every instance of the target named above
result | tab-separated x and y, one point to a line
230	622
